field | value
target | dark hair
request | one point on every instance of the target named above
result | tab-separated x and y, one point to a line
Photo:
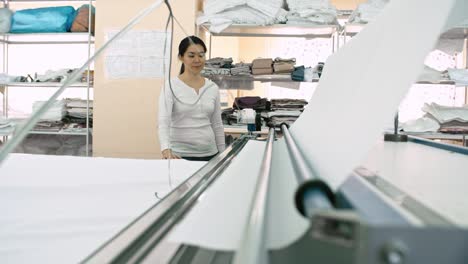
185	43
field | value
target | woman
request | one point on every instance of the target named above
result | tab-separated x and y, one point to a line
190	125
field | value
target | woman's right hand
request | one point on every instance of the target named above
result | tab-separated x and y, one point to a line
167	154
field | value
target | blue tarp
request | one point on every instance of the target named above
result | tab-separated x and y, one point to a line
47	19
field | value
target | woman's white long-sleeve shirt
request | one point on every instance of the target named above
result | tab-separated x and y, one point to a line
193	128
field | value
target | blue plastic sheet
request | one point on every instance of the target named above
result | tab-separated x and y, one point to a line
47	19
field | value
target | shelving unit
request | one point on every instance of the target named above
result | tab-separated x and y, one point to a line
62	132
246	82
40	39
308	31
233	81
277	30
47	38
256	78
44	84
350	30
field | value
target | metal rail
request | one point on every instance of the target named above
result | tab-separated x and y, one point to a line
252	248
313	193
139	238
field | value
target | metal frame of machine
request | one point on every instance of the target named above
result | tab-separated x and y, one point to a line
364	223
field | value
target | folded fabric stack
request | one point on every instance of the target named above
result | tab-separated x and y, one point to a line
51	120
223	13
228	116
454	127
54	76
74	127
241	69
215	71
303	74
294	113
225	66
366	12
452	119
262	66
284	111
281	65
459	76
319	12
48	126
217	66
76	112
55	113
288	104
219	62
423	124
446	119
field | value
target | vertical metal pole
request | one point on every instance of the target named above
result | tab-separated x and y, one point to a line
338	41
7	39
4	70
4	87
344	33
465	62
333	42
395	124
88	86
209	54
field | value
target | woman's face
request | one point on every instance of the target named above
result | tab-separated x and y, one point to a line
194	59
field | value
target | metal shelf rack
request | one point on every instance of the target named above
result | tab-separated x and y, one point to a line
85	38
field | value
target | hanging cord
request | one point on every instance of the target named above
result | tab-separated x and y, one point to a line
170	20
182	28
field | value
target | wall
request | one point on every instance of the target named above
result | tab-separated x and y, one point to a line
125	111
347	4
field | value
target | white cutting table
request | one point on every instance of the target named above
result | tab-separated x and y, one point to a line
58	209
435	177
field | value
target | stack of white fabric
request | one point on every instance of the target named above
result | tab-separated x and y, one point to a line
311	12
55	113
220	14
437	117
366	12
445	114
459	76
422	124
77	108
